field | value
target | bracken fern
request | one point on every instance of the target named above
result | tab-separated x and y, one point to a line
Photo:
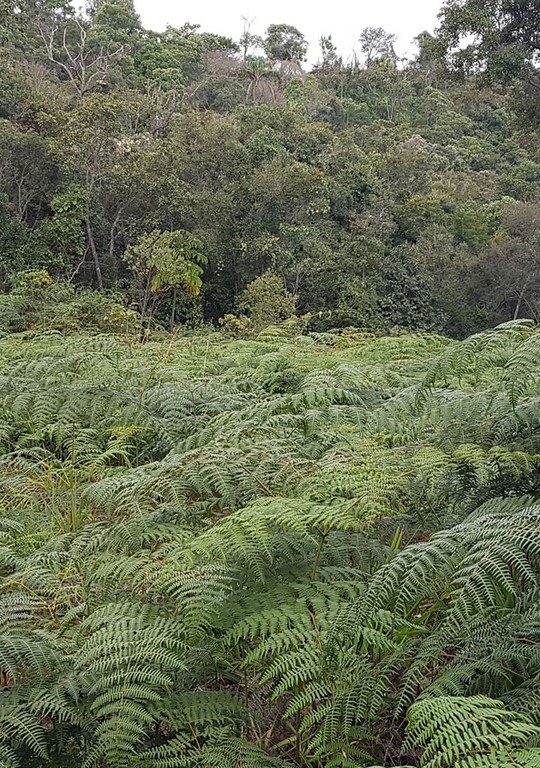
320	551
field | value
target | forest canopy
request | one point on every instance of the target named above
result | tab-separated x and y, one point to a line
379	192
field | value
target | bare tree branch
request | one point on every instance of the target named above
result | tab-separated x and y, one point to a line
85	65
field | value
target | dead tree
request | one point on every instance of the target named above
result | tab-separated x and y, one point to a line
85	65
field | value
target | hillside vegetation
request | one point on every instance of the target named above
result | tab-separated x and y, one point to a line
319	551
269	491
170	170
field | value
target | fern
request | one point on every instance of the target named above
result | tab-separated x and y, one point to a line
315	551
469	731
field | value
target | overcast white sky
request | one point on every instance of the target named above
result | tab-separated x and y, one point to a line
343	19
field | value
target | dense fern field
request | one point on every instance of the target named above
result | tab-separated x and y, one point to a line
318	551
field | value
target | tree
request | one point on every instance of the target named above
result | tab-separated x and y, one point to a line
429	63
63	233
248	40
72	47
417	214
116	21
28	171
165	261
510	266
266	301
377	45
285	43
184	130
99	151
263	84
501	37
411	166
330	59
19	21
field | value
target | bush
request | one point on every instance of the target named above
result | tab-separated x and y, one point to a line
37	301
235	327
12	309
266	301
32	284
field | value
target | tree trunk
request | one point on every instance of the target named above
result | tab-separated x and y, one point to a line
520	300
94	252
112	240
173	310
146	298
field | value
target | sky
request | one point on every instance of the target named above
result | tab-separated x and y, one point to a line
343	19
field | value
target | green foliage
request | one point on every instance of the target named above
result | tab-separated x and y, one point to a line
237	327
377	45
284	42
309	538
162	261
167	260
310	550
266	301
375	193
504	34
36	302
467	731
32	284
63	233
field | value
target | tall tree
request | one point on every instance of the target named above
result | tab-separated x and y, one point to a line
74	48
285	43
377	45
501	37
330	58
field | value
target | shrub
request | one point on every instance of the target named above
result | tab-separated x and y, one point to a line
266	301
